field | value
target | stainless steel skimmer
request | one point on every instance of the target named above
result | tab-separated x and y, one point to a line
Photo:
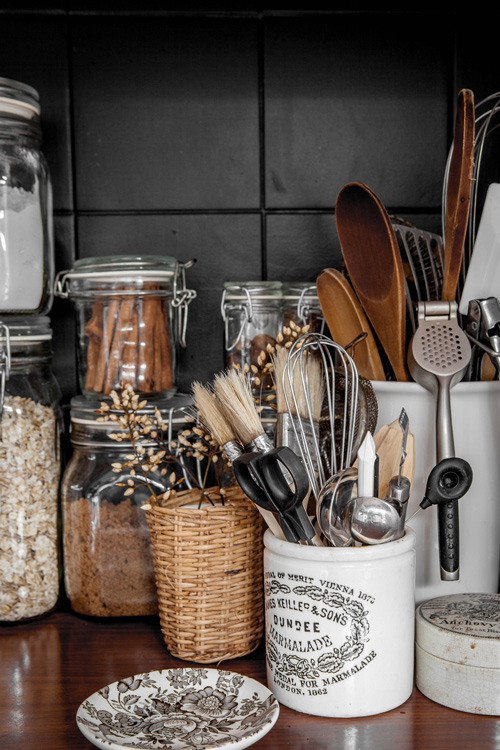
438	358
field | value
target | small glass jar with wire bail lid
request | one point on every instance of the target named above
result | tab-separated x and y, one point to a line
301	307
108	563
252	312
26	229
30	465
131	314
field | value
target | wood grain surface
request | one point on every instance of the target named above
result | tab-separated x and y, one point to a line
49	666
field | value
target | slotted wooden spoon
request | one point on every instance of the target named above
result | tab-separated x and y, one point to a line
346	321
373	260
458	193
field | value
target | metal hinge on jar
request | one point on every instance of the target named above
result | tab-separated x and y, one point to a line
4	362
181	298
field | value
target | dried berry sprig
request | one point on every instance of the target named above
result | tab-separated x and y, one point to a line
260	372
152	452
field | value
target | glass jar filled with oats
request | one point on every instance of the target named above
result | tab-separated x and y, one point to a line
108	564
29	470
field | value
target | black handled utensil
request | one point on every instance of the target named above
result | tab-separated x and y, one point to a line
261	476
438	358
448	481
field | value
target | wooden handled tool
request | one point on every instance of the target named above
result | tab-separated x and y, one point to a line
346	320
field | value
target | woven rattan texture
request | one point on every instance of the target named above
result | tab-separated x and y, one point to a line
208	569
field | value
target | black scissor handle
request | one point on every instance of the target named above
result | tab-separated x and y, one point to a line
249	475
278	466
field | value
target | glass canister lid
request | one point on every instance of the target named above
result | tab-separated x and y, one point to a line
31	327
258	291
17	335
92	275
19	99
87	428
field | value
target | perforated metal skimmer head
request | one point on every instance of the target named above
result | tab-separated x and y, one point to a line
439	347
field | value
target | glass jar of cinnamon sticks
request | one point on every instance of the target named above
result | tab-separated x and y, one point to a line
131	316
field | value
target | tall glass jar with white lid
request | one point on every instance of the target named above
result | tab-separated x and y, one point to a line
26	230
29	470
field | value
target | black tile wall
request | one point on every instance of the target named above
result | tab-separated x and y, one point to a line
346	97
166	113
224	133
225	247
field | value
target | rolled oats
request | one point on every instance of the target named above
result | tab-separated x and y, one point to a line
29	479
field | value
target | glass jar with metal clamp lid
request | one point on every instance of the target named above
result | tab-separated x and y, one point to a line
26	231
108	564
29	470
252	312
301	307
131	316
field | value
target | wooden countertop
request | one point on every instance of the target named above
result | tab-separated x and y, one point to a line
49	666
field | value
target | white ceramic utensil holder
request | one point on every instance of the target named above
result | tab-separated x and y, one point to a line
475	408
340	626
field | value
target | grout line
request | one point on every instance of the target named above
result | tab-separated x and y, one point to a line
72	136
262	145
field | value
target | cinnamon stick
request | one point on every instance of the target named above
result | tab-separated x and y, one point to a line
146	344
129	361
110	313
121	334
93	331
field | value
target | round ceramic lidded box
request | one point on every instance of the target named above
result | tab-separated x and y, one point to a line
340	626
458	652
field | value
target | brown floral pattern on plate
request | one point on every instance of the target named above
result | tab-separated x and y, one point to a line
179	709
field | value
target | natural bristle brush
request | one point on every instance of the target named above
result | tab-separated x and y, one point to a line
438	358
213	418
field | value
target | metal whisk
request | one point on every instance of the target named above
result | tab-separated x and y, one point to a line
326	444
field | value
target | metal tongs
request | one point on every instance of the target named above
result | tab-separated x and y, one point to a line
483	330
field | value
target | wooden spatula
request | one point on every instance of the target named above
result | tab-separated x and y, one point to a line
388	440
458	193
346	320
375	268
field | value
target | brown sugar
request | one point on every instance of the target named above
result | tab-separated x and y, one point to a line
107	559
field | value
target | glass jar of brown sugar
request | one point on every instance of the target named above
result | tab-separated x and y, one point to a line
131	317
108	564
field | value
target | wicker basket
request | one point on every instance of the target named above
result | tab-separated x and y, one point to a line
208	569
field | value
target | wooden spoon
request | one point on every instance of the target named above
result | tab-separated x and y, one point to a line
346	320
458	193
373	260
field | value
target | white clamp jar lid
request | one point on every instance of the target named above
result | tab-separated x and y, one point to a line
458	651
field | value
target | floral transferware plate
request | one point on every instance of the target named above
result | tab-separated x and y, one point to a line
176	709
